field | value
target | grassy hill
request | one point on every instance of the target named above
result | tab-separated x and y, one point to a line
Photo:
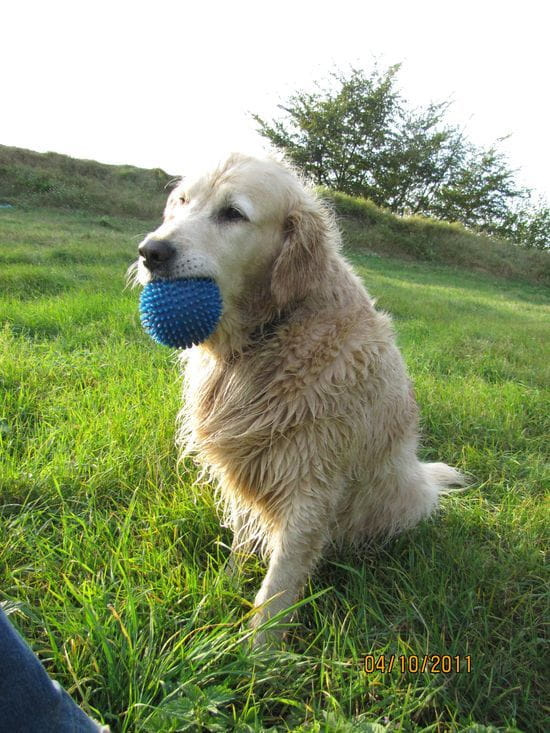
32	179
369	229
112	559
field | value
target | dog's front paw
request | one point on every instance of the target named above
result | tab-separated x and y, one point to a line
263	639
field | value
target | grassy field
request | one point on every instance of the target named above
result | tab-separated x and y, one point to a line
29	180
112	561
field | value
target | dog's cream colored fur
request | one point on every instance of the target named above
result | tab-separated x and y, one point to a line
299	403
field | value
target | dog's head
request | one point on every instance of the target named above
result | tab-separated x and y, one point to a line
251	226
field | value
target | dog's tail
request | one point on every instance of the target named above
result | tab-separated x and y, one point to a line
445	477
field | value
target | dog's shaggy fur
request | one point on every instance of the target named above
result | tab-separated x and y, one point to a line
299	403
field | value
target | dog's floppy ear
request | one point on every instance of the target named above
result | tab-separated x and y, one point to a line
302	260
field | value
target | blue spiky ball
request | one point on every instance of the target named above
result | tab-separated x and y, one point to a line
180	313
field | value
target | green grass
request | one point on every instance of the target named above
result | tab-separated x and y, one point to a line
50	179
29	179
112	560
371	229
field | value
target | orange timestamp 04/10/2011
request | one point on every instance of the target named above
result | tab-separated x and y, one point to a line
417	664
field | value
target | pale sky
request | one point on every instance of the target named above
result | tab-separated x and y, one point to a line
169	84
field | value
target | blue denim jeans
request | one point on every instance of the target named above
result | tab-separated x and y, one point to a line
30	702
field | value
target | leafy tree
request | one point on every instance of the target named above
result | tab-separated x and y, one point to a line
357	135
528	224
340	137
479	190
423	154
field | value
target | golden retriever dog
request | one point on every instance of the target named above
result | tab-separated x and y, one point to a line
299	403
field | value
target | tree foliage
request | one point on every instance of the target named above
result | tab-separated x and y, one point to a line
528	224
358	135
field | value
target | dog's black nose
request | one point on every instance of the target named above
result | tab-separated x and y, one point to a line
156	252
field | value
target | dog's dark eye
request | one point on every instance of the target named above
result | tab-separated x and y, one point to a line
230	213
183	199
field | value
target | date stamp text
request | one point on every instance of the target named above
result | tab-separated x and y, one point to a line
415	664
